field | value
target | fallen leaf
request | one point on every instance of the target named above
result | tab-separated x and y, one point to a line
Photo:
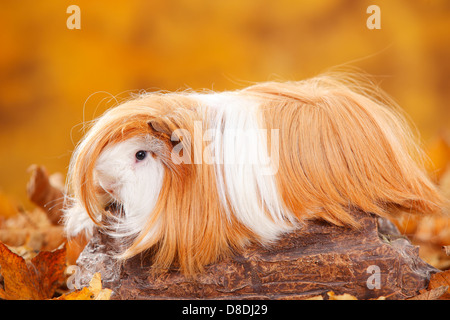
433	255
441	279
432	294
24	251
46	195
83	294
95	285
319	297
434	229
93	292
42	239
345	296
32	229
36	279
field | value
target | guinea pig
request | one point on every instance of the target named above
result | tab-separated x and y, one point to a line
197	176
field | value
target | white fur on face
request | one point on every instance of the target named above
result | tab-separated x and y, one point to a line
237	147
133	184
238	150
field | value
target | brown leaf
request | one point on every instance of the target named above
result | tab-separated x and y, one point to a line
36	279
434	229
83	294
33	229
93	292
433	254
345	296
432	294
441	279
43	193
37	239
319	297
95	285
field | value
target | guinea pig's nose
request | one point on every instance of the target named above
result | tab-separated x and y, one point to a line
106	181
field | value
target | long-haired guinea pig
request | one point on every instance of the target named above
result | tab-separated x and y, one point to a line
196	176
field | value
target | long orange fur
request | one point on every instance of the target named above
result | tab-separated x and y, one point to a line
340	150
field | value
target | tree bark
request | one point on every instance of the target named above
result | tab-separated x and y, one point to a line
367	263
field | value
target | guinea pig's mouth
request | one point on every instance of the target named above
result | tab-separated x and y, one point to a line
109	188
115	208
107	183
111	191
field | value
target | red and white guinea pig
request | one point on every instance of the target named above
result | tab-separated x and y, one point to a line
196	176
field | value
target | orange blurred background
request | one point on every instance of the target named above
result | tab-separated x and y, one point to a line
52	78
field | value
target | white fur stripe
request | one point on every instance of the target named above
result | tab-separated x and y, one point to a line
239	150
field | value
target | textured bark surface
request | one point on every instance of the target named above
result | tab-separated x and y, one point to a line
312	261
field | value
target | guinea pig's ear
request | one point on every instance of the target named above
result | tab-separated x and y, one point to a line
163	129
160	126
177	132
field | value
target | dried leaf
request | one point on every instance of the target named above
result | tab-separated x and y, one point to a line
32	229
345	296
319	297
41	239
47	196
93	292
441	279
434	229
432	294
24	251
18	282
104	294
433	255
36	279
95	285
83	294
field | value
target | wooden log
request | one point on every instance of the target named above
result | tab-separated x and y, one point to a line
367	263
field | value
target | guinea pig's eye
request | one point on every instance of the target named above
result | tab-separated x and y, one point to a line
140	155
